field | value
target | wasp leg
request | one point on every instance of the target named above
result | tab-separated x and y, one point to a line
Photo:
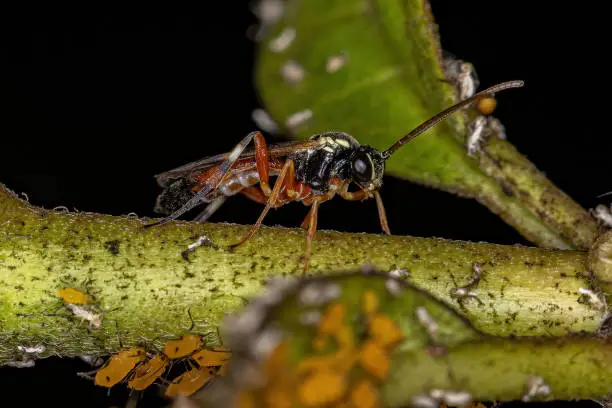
290	183
255	194
262	159
382	215
210	209
360	195
212	183
306	223
271	203
312	229
354	196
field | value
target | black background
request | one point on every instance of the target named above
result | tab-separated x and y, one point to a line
94	103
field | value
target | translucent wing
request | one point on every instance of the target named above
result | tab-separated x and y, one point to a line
198	166
221	165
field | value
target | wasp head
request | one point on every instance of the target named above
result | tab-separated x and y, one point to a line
367	168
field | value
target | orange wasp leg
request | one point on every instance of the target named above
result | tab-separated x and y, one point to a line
255	194
354	196
306	223
262	159
271	202
382	215
290	181
312	229
360	195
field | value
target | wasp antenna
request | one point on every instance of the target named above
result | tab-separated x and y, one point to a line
449	111
604	194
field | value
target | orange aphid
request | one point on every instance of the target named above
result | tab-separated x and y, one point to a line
374	360
212	358
342	360
146	374
182	347
333	319
119	366
364	395
370	302
275	364
384	331
486	105
321	388
278	397
223	369
330	323
188	382
344	336
74	296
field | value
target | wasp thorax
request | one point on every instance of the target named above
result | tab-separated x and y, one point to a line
367	168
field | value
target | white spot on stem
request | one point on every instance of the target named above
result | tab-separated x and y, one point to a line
94	319
264	121
603	215
283	41
21	364
336	62
31	350
593	298
292	72
427	321
536	387
298	119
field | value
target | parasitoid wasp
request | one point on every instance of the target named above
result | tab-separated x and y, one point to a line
310	171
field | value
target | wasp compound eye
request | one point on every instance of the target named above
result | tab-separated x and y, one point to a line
362	167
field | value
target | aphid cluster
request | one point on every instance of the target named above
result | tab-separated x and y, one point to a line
348	348
140	369
327	377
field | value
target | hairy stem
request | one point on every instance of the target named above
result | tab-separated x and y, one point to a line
146	280
425	351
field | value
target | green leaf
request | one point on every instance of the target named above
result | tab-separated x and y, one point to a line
391	82
315	342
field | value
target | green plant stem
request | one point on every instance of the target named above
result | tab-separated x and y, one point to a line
440	354
499	369
147	283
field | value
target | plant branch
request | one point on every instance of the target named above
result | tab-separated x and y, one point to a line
425	351
146	280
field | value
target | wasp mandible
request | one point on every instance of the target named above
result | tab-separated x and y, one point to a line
311	171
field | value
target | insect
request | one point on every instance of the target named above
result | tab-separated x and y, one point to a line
214	357
189	382
182	347
311	171
146	374
119	366
74	296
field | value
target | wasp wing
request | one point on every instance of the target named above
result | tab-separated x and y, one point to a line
220	165
277	150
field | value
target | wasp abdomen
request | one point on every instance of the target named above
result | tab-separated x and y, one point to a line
238	182
173	197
